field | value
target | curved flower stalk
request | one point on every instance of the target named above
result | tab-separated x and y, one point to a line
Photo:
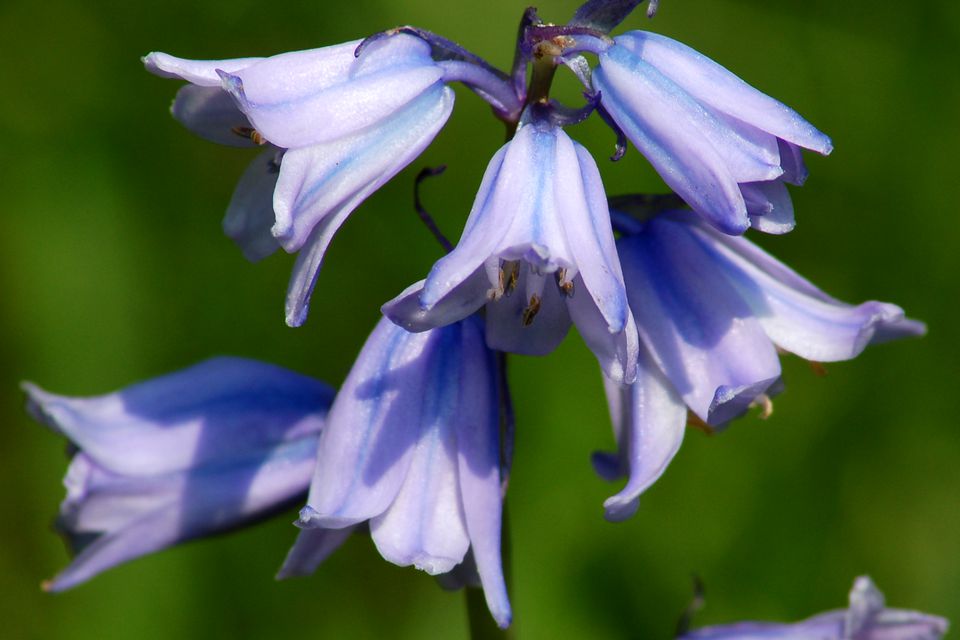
197	452
412	447
724	147
337	128
867	618
537	250
713	311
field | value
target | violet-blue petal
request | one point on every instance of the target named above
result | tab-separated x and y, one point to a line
372	429
249	218
306	97
617	353
211	114
479	452
116	518
653	418
791	159
223	409
199	72
462	301
329	180
311	548
769	206
695	326
670	129
796	315
714	85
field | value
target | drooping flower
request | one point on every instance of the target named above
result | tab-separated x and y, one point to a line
337	128
724	147
537	250
197	452
712	311
412	447
867	618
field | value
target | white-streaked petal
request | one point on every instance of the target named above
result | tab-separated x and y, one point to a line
307	97
714	85
198	72
769	206
650	435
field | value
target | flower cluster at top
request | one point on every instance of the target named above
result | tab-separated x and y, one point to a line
685	316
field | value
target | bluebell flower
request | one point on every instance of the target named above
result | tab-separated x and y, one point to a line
336	126
713	311
412	448
867	618
538	250
724	147
201	451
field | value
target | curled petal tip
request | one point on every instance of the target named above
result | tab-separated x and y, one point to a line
618	509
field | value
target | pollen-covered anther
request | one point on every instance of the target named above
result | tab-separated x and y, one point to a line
249	132
512	270
818	368
565	286
766	405
533	308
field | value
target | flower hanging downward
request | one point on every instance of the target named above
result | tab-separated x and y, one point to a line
337	128
712	312
412	446
193	453
537	250
724	147
867	618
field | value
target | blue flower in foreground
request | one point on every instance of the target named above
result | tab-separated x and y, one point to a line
412	447
867	618
193	453
712	312
337	127
724	147
537	250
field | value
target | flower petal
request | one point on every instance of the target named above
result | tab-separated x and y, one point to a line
307	97
199	72
650	437
249	217
797	316
211	114
616	352
693	322
223	409
462	301
331	179
374	424
769	206
714	85
512	328
311	548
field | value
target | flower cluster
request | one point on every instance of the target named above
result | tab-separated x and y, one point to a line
685	316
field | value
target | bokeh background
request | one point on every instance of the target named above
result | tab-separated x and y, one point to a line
113	269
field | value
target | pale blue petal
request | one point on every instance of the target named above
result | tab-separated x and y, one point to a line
650	434
506	329
211	114
714	85
694	324
311	548
769	206
616	352
331	179
374	424
249	217
478	439
199	72
797	316
307	97
462	301
223	409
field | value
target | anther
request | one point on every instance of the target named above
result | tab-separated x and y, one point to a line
512	278
695	421
766	405
531	311
249	132
565	286
817	368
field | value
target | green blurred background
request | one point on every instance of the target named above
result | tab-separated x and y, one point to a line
113	269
